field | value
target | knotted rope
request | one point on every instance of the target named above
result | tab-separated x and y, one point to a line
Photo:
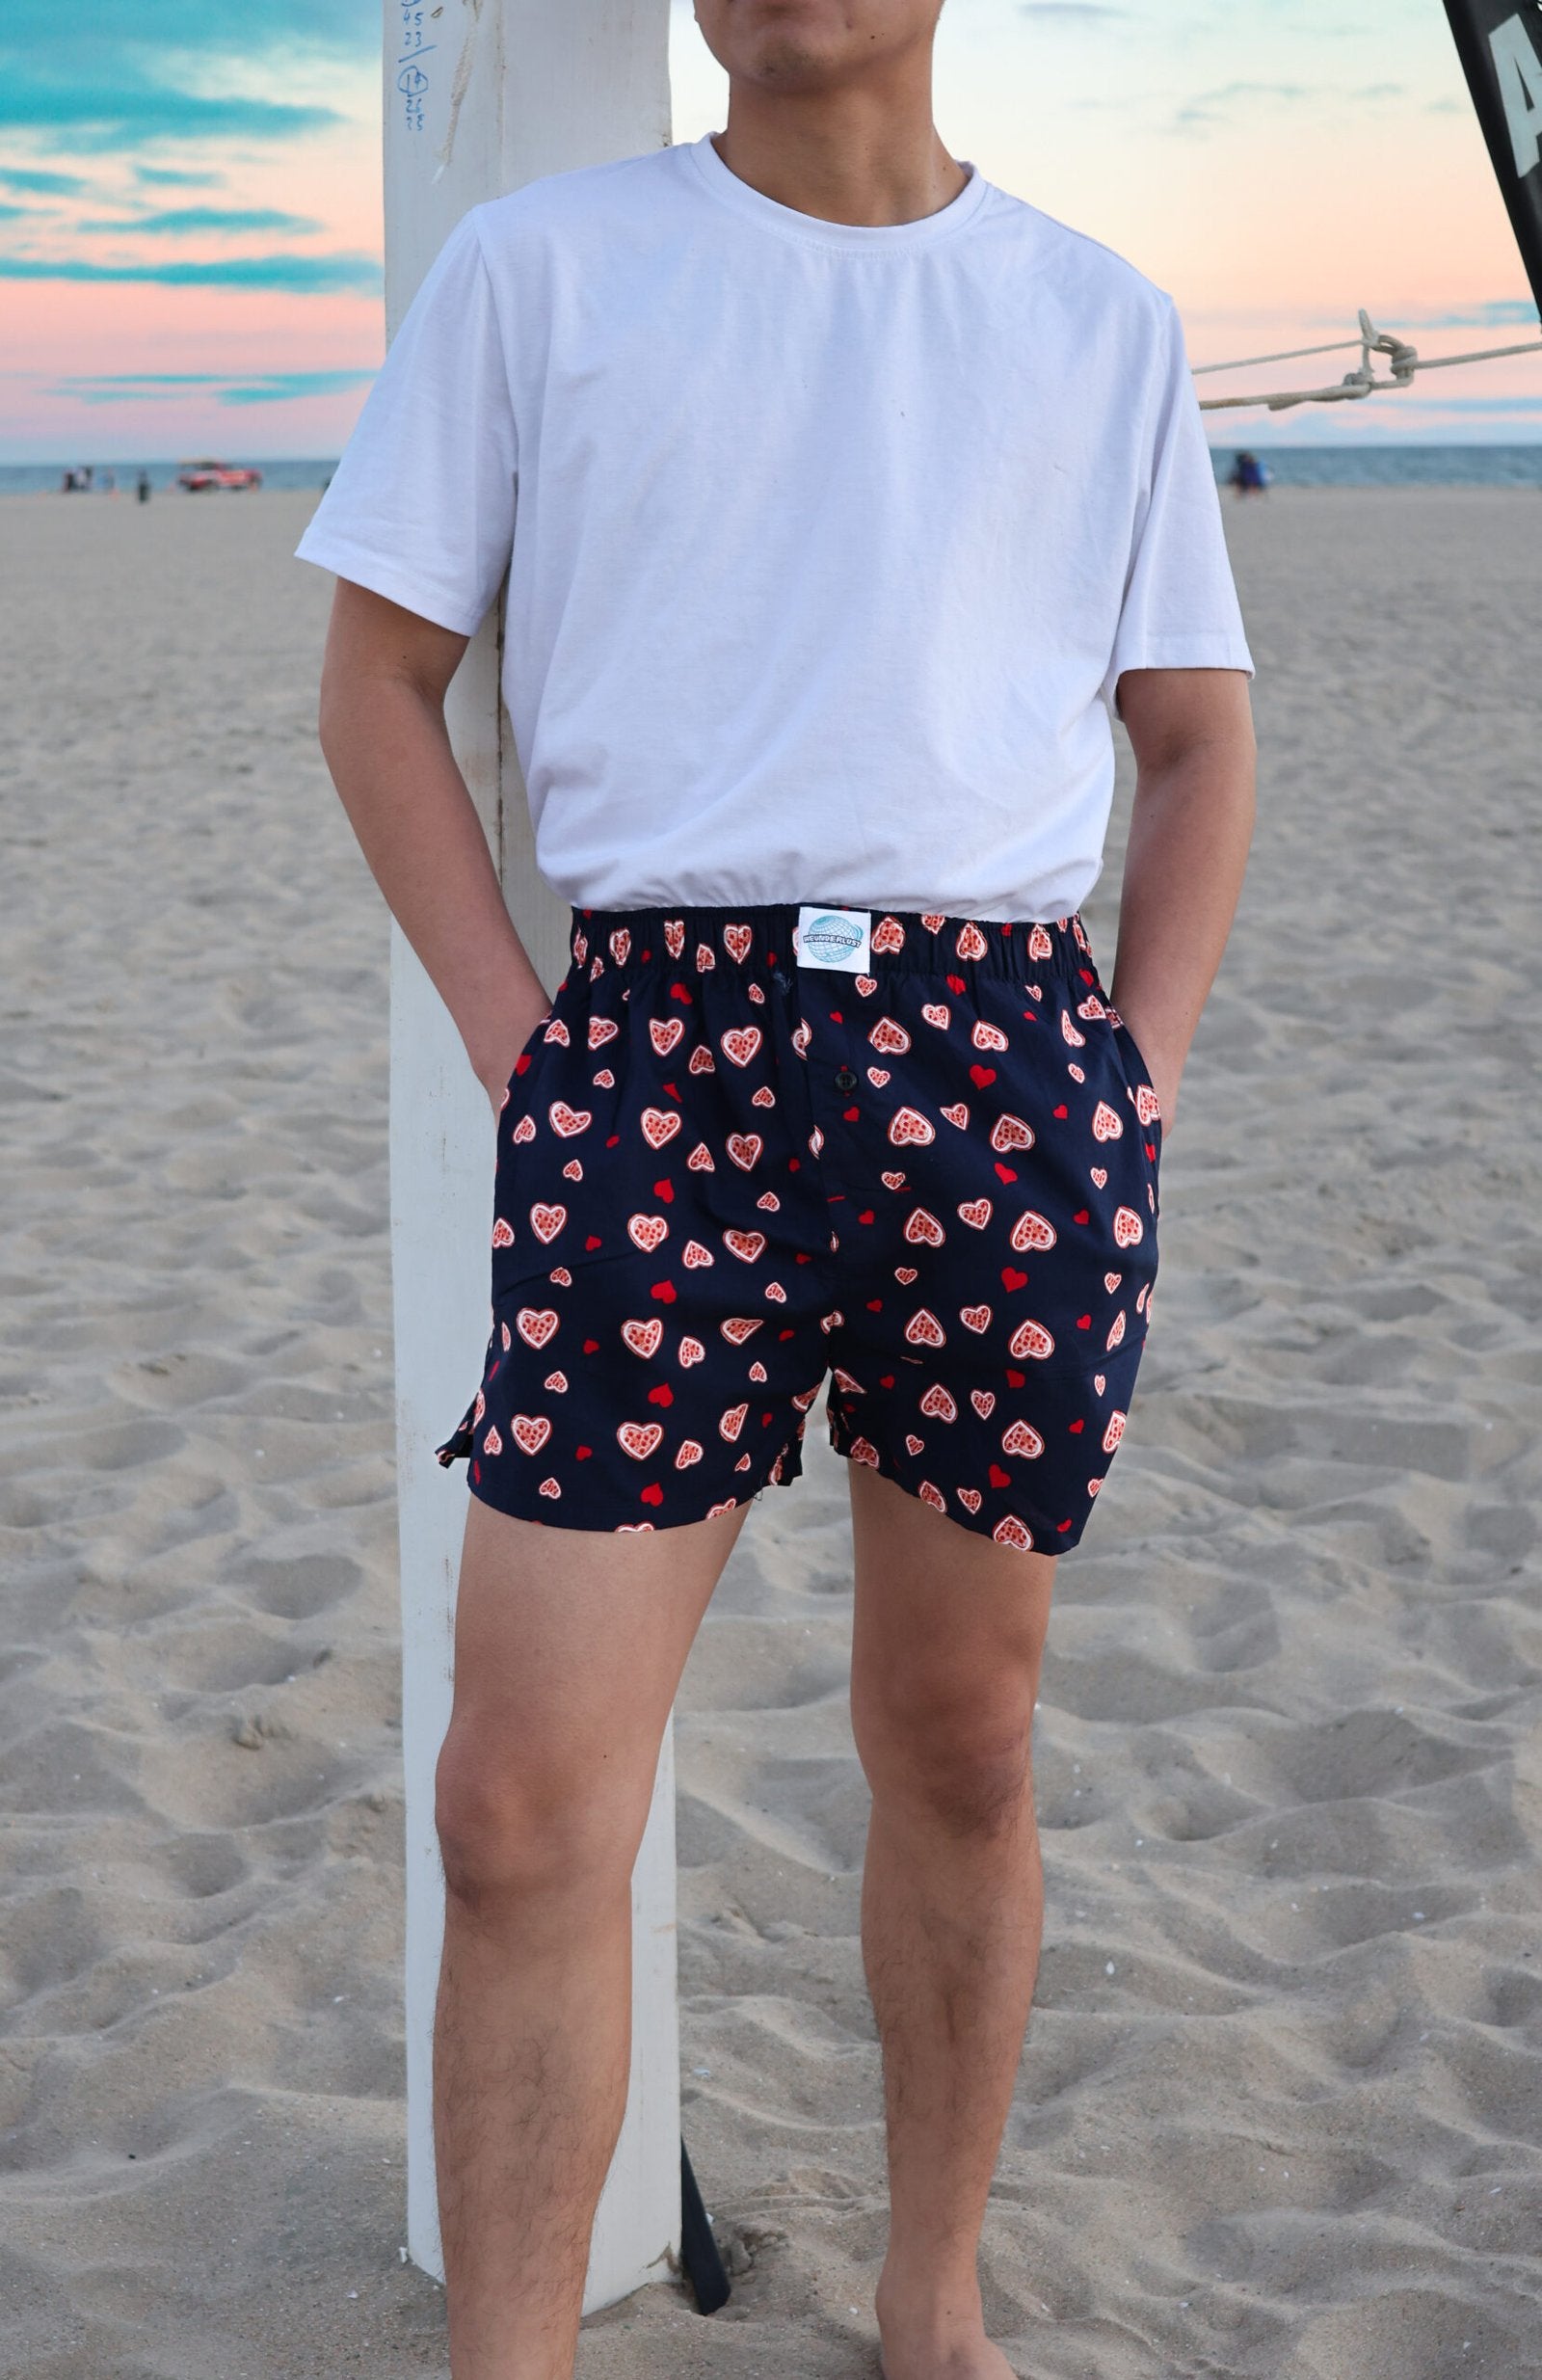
1404	362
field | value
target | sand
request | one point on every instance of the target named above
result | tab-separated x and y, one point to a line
1280	2110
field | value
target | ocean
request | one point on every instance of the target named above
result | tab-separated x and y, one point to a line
1366	466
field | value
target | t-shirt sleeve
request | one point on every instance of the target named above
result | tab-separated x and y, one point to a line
1180	608
420	507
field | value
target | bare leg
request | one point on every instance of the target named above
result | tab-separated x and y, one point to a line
569	1646
949	1637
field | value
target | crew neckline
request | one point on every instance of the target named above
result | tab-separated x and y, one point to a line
816	232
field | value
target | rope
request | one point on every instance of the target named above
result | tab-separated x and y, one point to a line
1285	355
1404	361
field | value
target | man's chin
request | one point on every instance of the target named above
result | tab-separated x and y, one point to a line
786	64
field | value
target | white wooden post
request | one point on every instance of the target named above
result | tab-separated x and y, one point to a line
481	96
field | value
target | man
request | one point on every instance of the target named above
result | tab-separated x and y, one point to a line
842	497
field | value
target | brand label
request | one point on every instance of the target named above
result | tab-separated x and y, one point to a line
838	938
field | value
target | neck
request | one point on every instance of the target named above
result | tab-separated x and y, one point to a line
859	156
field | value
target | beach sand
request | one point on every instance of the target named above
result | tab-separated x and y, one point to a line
1280	2109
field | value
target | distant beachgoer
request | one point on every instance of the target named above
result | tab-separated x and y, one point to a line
141	487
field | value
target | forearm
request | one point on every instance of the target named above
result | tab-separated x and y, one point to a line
387	746
1187	848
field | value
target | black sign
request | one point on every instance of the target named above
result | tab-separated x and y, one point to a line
1500	46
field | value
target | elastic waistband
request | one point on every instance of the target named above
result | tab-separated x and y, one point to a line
759	940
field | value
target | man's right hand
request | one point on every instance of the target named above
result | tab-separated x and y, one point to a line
496	1069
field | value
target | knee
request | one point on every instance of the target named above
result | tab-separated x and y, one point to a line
515	1830
960	1763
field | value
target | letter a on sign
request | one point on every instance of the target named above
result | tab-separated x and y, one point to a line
1501	48
1520	72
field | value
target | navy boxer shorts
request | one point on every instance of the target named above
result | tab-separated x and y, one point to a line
916	1153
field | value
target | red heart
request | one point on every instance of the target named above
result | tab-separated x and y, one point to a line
1006	1171
865	1217
1151	1151
582	1452
886	1380
522	1062
1083	1321
1011	1278
836	1017
593	1240
653	1494
1062	1527
664	1191
980	1076
999	1477
850	1115
955	983
1062	1113
875	1305
678	991
614	1138
1082	1215
1015	1379
1076	1429
591	1346
663	1290
663	1394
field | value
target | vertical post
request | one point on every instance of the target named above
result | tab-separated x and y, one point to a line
481	96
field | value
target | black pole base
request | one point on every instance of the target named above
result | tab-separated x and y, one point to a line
705	2268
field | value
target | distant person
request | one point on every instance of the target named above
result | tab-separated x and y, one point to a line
141	487
857	498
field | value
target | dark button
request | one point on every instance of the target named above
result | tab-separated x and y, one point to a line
845	1079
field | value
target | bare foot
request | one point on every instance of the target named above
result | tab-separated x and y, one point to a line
977	2359
923	2342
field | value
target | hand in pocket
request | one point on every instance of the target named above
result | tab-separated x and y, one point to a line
504	1070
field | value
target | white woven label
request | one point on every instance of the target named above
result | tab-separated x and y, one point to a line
838	938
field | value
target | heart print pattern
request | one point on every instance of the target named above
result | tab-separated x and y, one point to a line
722	1177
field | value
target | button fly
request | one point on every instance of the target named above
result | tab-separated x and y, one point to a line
845	1079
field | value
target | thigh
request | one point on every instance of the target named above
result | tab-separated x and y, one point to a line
568	1649
948	1625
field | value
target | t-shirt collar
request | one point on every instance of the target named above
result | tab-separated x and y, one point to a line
813	230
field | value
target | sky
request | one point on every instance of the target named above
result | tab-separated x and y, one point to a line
190	204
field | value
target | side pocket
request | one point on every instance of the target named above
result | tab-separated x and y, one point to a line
519	1093
1137	1074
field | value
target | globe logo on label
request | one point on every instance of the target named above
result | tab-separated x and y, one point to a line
830	941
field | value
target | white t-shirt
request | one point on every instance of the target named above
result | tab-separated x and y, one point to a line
827	543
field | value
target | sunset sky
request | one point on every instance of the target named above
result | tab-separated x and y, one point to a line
189	215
